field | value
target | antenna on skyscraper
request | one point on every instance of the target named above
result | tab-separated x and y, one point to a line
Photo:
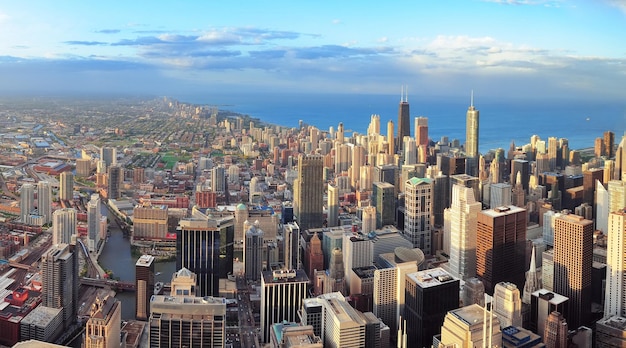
472	98
401	93
406	94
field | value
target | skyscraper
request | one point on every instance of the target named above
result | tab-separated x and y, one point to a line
390	138
282	293
572	271
418	193
44	200
59	280
333	205
461	222
27	202
144	285
421	138
404	121
609	144
523	167
103	327
471	138
94	215
383	198
507	304
115	178
501	246
309	191
615	299
471	326
66	186
253	253
108	155
335	276
63	225
218	179
555	332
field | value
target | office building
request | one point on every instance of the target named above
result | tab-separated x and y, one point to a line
421	138
59	281
308	192
94	215
187	321
114	182
500	195
27	202
218	179
42	324
555	332
460	221
473	292
469	327
282	293
184	283
291	246
103	326
609	144
547	270
150	222
471	138
615	298
384	200
523	167
418	194
611	332
205	246
617	195
404	121
44	201
108	155
333	205
501	246
334	280
357	252
83	167
63	225
572	271
293	335
144	286
430	294
589	183
253	253
66	186
314	255
507	304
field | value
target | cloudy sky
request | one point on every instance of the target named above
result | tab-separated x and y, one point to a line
522	48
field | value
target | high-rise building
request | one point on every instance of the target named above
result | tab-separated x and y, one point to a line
609	144
291	246
357	252
507	304
572	271
309	191
368	221
333	205
460	220
544	302
103	326
430	294
59	280
466	181
27	202
501	246
205	247
617	195
555	332
391	150
282	294
611	332
150	222
115	179
421	138
108	155
218	179
500	195
253	253
471	138
615	298
589	183
523	167
44	201
187	321
94	215
63	225
418	194
404	121
384	200
144	285
335	276
83	167
66	186
471	326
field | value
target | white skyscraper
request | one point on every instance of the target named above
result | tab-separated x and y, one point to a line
460	220
602	208
44	200
94	214
617	195
418	211
615	299
500	195
368	222
63	225
333	205
507	304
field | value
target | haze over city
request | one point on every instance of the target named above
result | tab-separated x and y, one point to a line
503	48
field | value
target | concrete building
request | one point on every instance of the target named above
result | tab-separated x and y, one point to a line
253	253
282	293
66	186
469	327
308	189
59	281
150	222
460	224
144	286
615	298
418	193
507	304
103	326
384	200
544	302
63	225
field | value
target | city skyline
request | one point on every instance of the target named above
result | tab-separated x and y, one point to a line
572	49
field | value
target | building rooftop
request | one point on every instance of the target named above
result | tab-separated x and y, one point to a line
145	260
41	316
552	297
284	276
502	211
471	315
431	277
615	322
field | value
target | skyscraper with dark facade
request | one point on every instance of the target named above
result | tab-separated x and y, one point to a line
59	280
573	259
144	285
308	192
521	166
115	177
205	247
404	121
383	198
501	246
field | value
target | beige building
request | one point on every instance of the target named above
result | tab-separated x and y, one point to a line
103	327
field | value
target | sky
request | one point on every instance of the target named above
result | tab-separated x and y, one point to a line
535	49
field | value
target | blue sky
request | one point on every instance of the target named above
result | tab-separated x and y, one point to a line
504	48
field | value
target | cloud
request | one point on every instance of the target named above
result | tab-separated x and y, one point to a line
547	3
108	31
336	21
3	17
85	43
620	4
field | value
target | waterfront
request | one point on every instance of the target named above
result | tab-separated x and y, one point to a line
116	256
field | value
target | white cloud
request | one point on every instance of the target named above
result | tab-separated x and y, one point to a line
336	21
621	4
3	17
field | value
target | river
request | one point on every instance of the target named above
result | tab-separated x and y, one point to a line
116	256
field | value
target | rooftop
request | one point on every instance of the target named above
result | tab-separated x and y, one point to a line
431	277
145	260
502	211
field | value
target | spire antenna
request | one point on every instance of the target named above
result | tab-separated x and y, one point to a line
406	94
472	98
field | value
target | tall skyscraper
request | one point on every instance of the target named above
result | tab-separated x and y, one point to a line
555	332
66	186
103	327
383	198
94	215
205	246
63	225
501	246
460	220
315	256
418	194
390	139
572	271
108	155
617	195
421	138
44	201
507	304
253	253
471	138
59	280
404	121
27	202
523	167
115	179
144	285
282	294
333	205
218	179
609	144
471	326
309	191
615	299
430	294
